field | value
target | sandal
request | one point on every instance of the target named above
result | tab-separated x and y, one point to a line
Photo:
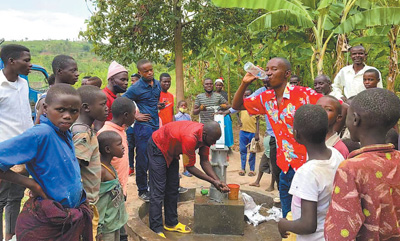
180	228
161	234
251	174
242	172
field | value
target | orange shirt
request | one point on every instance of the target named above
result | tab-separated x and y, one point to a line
167	113
121	165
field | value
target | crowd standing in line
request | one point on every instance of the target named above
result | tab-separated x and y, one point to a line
332	151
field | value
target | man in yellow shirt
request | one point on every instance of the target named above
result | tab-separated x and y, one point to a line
248	127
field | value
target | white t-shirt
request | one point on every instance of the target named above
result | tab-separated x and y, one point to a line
313	181
15	109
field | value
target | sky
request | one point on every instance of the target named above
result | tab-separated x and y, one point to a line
43	19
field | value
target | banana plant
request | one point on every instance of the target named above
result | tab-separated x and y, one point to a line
318	19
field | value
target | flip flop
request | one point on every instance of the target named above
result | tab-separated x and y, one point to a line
251	174
180	228
242	173
161	234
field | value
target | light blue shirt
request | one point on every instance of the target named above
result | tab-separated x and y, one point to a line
182	117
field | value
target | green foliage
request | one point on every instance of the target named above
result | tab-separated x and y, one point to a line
376	17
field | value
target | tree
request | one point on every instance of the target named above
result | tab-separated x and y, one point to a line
317	18
128	30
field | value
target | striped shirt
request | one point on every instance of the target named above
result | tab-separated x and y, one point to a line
214	100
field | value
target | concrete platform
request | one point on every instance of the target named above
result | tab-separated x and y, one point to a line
223	218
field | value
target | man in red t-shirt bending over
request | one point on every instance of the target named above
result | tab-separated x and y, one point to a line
163	150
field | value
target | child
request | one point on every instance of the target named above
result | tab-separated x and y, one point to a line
65	69
371	78
365	201
294	80
247	132
393	137
265	165
96	81
312	184
135	78
183	115
333	109
111	204
166	101
86	145
57	208
15	118
123	111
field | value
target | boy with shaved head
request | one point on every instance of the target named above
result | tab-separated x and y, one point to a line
65	69
57	208
280	103
163	150
366	195
349	81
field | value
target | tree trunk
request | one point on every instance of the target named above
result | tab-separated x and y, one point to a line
393	59
180	83
341	46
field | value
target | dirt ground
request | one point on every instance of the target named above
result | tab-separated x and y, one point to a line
192	182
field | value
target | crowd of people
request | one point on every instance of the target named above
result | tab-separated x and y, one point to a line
331	149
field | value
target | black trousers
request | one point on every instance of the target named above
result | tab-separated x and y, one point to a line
164	184
275	170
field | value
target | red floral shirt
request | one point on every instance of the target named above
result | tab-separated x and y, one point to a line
289	152
366	196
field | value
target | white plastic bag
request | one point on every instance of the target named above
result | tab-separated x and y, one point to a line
251	211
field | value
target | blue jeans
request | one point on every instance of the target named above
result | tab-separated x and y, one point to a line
142	135
285	180
244	139
131	146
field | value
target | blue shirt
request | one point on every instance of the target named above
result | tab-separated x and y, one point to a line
49	156
146	98
182	117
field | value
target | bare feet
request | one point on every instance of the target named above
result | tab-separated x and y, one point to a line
254	184
270	189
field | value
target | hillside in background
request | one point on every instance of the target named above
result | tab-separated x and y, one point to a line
43	52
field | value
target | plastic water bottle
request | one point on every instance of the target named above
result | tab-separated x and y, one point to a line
254	70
